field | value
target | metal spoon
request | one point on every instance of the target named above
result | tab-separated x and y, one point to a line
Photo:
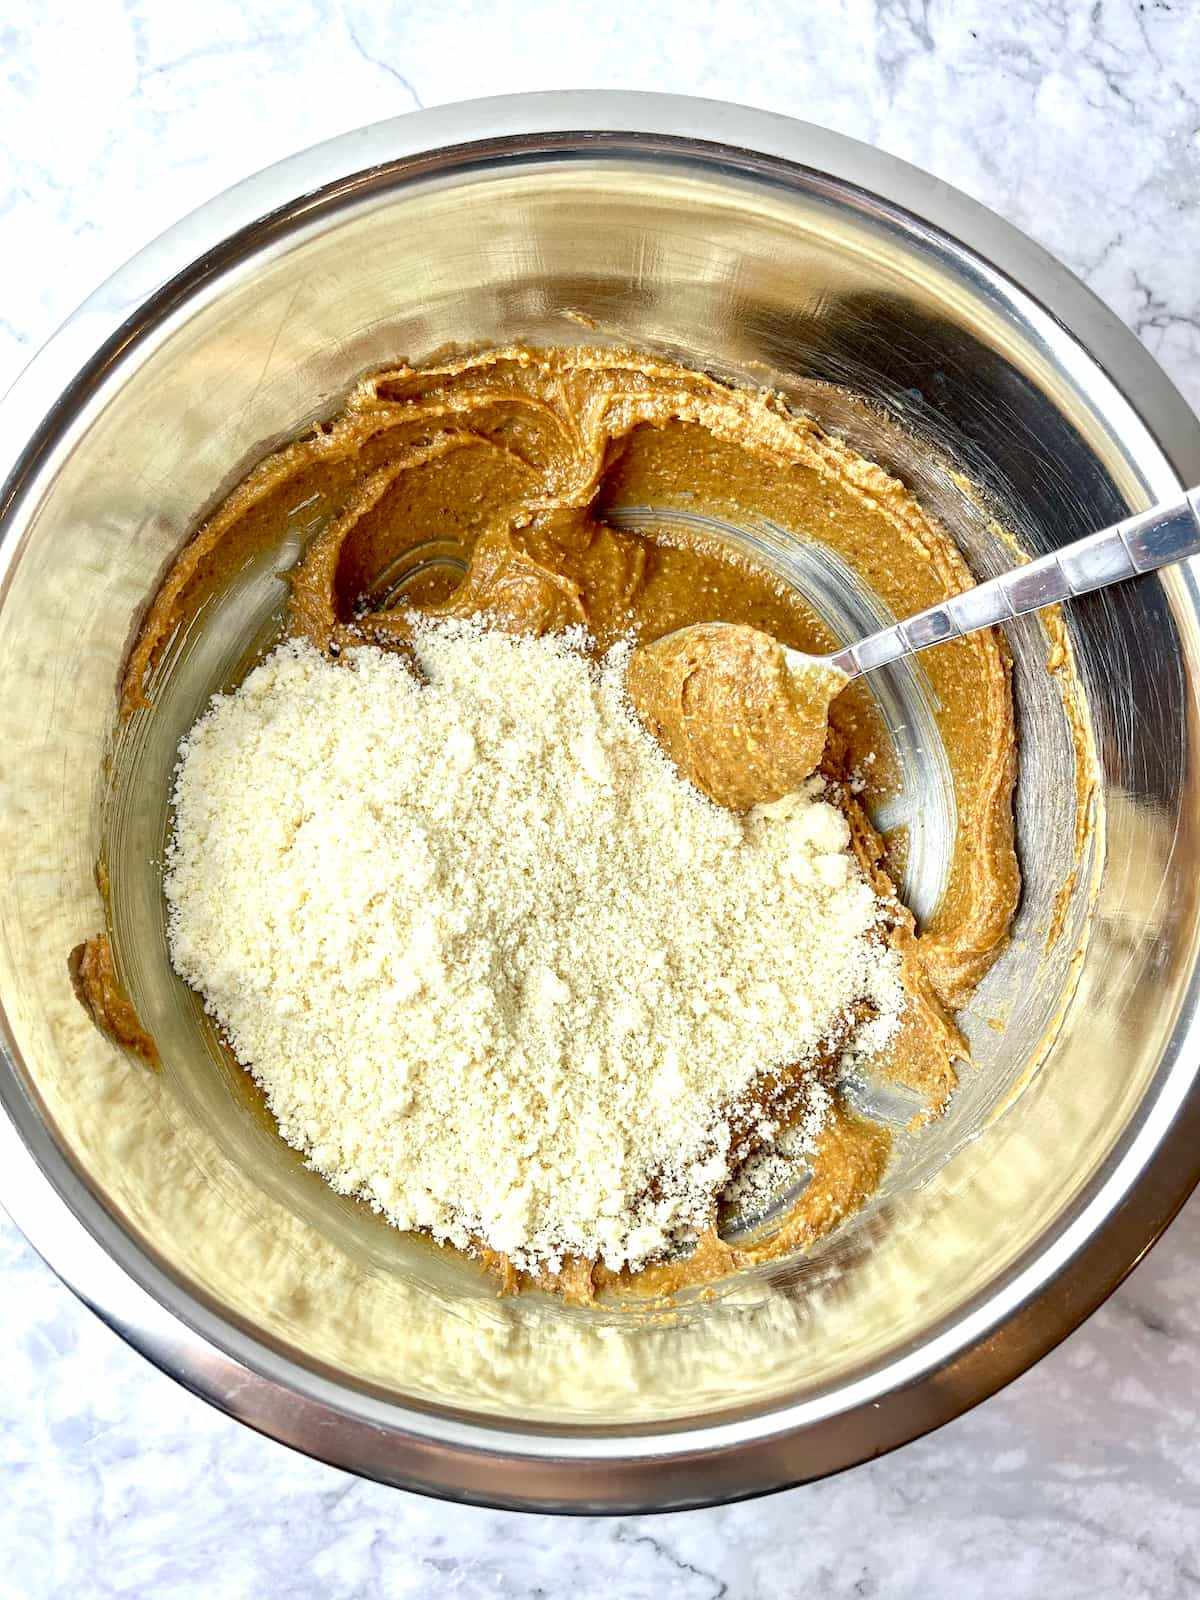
1156	538
710	692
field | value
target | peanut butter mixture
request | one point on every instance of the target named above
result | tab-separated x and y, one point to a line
104	997
506	463
736	720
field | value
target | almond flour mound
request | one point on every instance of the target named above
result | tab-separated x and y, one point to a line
498	968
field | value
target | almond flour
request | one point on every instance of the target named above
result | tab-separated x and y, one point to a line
499	970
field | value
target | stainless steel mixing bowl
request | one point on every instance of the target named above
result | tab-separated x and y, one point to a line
907	318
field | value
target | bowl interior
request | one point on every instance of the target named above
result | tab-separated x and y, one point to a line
764	274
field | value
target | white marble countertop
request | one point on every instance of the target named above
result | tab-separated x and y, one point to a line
1081	123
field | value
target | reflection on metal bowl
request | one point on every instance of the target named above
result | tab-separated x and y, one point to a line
940	343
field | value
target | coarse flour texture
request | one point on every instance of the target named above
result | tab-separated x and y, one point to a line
498	969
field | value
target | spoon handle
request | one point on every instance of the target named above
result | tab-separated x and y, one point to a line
1152	539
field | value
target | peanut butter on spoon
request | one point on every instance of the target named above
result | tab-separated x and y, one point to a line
742	718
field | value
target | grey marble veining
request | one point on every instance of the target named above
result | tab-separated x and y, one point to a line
1080	122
